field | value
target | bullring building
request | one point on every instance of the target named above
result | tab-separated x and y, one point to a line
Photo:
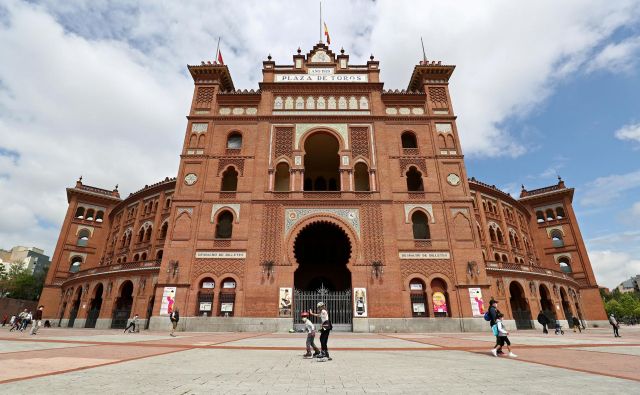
320	186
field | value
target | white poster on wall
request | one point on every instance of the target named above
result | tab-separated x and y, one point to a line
168	300
477	304
360	302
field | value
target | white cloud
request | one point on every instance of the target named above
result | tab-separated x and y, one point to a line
629	132
635	210
613	267
617	57
604	190
100	88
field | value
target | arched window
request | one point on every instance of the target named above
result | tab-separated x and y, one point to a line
420	226
512	240
100	216
167	203
143	257
129	238
321	162
80	213
497	257
227	298
550	216
414	180
234	141
148	232
91	214
559	212
136	258
418	298
565	265
230	180
556	238
408	140
440	298
361	176
159	254
83	237
205	297
76	262
163	230
224	225
492	235
282	179
499	236
505	258
141	235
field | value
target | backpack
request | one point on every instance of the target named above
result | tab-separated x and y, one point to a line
494	329
487	316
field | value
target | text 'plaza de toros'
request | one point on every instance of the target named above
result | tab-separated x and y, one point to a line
320	186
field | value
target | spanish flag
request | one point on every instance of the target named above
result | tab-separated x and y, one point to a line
326	33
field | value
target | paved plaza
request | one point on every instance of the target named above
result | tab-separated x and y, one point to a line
108	361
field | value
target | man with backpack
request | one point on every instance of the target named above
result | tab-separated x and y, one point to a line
492	316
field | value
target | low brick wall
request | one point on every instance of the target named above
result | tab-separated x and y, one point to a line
11	307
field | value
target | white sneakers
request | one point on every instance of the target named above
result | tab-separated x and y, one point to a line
495	353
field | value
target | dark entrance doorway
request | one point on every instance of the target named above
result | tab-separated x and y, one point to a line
122	308
74	308
547	305
322	250
566	307
94	308
520	307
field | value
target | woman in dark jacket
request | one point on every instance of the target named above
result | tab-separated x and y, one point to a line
544	321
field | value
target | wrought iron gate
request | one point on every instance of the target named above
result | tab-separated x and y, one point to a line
338	303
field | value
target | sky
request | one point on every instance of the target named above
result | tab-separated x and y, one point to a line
100	89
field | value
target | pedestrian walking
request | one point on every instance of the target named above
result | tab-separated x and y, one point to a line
615	324
576	324
502	335
26	321
311	335
5	318
133	324
37	320
544	321
325	329
493	318
174	317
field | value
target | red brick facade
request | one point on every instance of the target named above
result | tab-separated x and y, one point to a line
320	163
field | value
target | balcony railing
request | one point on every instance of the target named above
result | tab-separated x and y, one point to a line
127	266
494	265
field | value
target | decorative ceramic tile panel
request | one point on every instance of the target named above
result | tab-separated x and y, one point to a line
293	215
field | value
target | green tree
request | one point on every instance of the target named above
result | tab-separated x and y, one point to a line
21	284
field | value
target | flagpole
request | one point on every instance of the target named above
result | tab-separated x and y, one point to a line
424	54
217	50
320	36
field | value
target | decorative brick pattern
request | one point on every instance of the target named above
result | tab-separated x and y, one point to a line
438	96
360	142
237	162
204	97
409	268
283	144
373	236
271	242
217	267
420	163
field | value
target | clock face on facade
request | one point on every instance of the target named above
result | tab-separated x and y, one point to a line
320	57
453	179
